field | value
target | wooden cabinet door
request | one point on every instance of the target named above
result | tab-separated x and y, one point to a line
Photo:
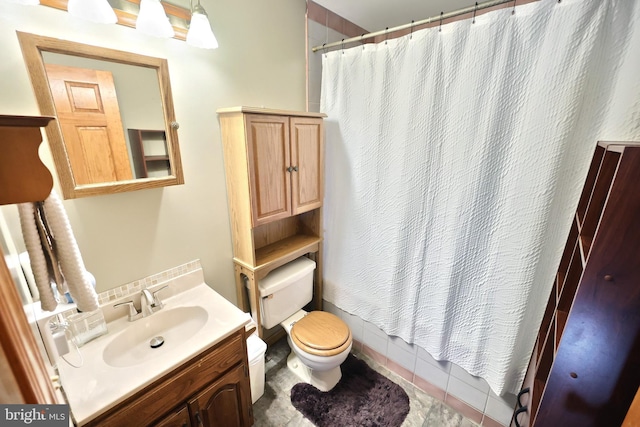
180	418
269	159
226	403
307	160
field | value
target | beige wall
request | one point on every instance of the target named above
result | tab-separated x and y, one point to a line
260	62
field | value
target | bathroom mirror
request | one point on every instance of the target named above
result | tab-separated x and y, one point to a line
116	129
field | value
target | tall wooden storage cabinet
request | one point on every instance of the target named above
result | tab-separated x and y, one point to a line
585	367
274	162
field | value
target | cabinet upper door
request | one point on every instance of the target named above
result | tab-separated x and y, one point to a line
226	403
269	159
307	160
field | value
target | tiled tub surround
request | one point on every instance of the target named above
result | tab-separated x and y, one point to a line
446	381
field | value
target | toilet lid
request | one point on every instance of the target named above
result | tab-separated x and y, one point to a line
321	333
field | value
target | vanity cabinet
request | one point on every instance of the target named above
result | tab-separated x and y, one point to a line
219	404
274	163
180	418
585	366
209	390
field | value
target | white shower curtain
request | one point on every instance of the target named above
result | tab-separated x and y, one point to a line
454	160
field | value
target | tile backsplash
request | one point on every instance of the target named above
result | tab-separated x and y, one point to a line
137	285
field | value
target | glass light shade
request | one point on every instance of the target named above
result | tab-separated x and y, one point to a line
200	34
152	20
93	10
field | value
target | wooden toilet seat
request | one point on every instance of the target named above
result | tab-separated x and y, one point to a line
321	334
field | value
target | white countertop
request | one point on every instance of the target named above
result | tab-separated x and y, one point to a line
96	386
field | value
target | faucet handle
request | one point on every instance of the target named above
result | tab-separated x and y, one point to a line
156	301
133	312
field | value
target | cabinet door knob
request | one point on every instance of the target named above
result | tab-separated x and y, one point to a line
199	418
289	169
295	168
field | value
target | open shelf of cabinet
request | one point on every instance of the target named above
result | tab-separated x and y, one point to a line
546	323
274	162
561	321
149	153
292	247
586	347
589	184
565	260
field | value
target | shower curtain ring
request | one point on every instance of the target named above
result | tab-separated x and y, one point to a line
342	46
513	11
385	35
361	40
441	15
475	9
411	34
324	49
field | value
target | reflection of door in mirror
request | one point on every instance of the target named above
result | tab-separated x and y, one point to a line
89	116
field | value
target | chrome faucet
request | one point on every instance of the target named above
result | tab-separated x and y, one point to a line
134	314
149	302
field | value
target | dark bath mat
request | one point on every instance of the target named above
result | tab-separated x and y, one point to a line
362	398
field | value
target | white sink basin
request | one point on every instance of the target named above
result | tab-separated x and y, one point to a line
175	325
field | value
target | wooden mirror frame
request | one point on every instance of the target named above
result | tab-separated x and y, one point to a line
32	47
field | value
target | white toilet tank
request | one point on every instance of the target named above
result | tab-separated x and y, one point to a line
286	290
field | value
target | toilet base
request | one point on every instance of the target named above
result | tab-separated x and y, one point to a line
322	380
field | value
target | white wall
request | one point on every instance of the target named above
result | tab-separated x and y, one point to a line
260	62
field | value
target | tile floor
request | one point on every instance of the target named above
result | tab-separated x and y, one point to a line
274	408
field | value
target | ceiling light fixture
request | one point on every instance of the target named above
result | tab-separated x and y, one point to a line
93	10
200	33
152	20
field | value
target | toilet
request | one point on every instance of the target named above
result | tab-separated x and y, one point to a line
319	341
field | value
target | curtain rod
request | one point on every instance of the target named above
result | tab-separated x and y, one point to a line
442	16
